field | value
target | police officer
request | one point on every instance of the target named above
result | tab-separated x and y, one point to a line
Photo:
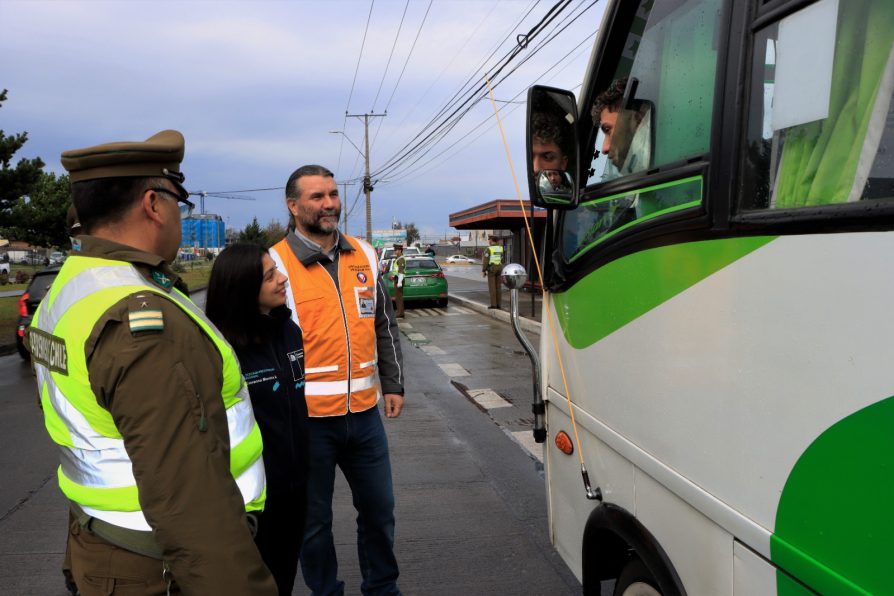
491	265
397	271
160	453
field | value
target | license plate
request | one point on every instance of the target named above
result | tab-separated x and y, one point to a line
416	281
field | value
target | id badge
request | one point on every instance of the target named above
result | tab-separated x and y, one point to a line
296	363
366	302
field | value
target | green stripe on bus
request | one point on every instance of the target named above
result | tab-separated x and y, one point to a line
695	181
834	523
625	289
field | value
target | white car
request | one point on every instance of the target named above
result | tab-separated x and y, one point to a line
388	254
461	259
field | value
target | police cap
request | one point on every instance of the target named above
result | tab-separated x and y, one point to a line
159	155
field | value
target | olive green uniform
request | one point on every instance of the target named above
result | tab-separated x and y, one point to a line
492	270
163	390
399	268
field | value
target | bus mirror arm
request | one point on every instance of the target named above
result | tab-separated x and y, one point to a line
514	277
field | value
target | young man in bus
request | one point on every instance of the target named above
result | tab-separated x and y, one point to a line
626	132
546	146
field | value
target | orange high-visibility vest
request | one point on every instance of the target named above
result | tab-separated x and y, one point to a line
339	328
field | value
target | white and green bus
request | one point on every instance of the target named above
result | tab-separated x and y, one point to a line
719	274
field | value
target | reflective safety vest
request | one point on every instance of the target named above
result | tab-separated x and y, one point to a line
495	254
96	473
395	266
338	326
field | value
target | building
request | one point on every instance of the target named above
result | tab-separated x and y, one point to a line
506	218
203	233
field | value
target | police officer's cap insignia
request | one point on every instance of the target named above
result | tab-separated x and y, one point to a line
163	280
361	277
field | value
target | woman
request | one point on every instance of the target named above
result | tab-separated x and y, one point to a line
246	301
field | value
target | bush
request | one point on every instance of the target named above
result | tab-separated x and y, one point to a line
178	267
22	276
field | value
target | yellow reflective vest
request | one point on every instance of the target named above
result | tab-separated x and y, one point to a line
96	471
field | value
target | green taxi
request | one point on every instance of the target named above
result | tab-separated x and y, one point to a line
423	280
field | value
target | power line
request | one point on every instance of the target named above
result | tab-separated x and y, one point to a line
449	122
387	64
398	174
354	82
453	99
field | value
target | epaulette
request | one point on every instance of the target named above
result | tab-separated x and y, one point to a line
144	313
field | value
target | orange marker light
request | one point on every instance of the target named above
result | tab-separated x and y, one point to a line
563	442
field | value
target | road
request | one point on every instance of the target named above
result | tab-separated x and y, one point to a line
471	504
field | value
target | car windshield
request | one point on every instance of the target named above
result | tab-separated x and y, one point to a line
421	264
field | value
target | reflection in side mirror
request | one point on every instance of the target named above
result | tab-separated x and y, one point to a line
556	187
553	160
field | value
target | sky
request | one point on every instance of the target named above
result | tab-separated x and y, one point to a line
256	87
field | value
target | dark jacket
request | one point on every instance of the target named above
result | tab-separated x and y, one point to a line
274	372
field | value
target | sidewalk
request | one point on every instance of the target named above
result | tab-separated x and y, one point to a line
473	293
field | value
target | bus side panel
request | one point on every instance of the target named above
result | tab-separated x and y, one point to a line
727	381
569	507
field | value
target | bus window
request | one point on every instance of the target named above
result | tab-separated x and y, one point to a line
656	111
824	134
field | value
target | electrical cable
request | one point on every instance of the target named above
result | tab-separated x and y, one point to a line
354	82
433	138
533	33
391	55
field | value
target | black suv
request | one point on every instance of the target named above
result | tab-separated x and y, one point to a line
37	289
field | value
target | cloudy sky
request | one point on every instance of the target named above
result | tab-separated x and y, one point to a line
256	86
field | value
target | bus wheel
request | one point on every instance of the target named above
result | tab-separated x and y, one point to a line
635	580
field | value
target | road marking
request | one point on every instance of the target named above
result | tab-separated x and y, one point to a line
416	337
404	325
526	439
433	350
463	310
437	312
488	399
451	369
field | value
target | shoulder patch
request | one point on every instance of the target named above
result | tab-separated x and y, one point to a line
144	313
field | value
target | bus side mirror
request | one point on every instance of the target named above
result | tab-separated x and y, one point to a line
552	148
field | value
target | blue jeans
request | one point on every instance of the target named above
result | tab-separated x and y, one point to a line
357	444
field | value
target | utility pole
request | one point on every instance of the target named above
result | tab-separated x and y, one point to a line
367	182
344	207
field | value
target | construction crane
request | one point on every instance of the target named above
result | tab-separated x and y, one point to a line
217	195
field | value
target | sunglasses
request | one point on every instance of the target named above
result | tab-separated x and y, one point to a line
186	206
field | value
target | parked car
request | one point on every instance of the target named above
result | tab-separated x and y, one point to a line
34	293
388	254
460	259
423	280
4	271
57	258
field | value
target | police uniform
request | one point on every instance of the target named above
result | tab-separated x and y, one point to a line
397	271
492	265
160	453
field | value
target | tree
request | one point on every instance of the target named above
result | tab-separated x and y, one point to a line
274	232
253	233
15	182
39	219
412	233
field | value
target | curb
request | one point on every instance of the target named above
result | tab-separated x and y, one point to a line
529	325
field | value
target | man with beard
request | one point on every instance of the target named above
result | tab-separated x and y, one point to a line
352	356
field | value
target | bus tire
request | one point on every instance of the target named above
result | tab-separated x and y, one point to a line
636	580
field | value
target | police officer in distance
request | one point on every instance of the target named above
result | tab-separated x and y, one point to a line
140	391
397	271
491	266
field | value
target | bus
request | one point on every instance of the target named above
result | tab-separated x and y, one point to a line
717	344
